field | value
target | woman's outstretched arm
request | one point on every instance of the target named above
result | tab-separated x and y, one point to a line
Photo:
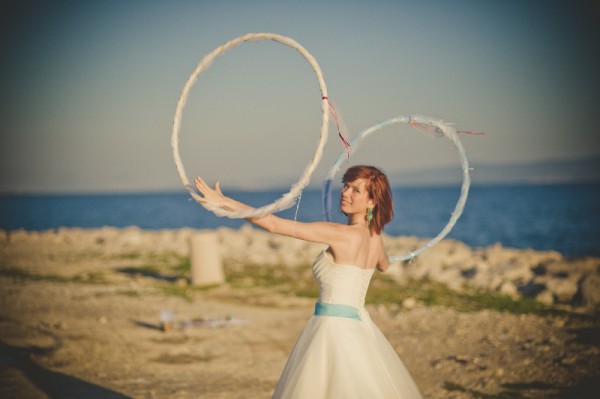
322	232
383	263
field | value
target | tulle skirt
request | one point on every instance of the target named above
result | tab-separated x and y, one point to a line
337	357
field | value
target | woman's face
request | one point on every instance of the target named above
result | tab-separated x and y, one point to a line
354	197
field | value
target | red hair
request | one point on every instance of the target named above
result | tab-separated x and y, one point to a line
378	188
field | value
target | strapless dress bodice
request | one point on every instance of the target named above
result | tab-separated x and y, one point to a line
339	283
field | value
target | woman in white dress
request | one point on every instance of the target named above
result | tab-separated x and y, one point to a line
340	353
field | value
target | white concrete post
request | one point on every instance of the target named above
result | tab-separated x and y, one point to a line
205	259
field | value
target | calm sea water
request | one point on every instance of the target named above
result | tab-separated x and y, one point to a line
565	218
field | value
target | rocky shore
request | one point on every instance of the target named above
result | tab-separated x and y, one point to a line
544	275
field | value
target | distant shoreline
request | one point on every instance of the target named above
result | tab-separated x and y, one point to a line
544	217
311	188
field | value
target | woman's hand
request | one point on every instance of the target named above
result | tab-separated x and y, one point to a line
213	197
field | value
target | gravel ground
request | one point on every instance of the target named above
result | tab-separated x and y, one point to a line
78	337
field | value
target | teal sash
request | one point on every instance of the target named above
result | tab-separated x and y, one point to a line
332	309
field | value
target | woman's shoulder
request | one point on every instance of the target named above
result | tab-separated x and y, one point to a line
351	229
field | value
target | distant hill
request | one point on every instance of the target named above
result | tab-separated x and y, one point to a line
585	170
538	172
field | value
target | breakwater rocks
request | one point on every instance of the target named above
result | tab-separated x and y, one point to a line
544	275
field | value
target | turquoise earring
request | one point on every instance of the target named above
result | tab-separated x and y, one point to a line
369	215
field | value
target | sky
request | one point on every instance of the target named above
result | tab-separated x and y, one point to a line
89	88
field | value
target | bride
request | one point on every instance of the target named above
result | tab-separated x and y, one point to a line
340	353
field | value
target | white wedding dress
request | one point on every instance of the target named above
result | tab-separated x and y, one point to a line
340	356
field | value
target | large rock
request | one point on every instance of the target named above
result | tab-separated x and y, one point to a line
590	291
509	289
546	297
516	271
564	290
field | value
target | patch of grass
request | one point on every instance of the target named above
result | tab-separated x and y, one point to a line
385	290
183	268
477	300
185	292
86	278
175	290
295	281
308	292
286	280
162	259
511	391
452	386
90	278
298	281
471	300
262	276
538	385
127	256
183	358
23	275
206	287
129	293
168	267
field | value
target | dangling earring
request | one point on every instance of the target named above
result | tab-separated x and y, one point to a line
369	215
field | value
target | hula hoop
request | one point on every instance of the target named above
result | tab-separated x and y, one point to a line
288	199
439	129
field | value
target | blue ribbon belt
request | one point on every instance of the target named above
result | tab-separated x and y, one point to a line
332	309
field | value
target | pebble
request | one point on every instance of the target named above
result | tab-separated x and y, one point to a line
409	303
60	325
182	282
569	361
559	322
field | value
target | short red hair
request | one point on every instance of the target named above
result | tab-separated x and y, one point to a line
378	188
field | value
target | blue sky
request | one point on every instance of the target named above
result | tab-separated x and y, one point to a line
90	87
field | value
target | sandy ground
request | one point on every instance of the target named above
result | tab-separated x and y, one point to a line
74	338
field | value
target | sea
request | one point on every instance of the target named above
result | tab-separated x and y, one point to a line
560	217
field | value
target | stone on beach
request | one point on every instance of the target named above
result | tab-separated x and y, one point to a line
206	266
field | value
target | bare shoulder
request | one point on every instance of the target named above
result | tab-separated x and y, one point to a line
352	235
332	228
375	241
341	228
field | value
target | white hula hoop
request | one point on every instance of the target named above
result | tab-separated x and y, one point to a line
441	129
288	199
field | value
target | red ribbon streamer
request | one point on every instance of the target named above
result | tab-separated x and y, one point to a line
334	115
